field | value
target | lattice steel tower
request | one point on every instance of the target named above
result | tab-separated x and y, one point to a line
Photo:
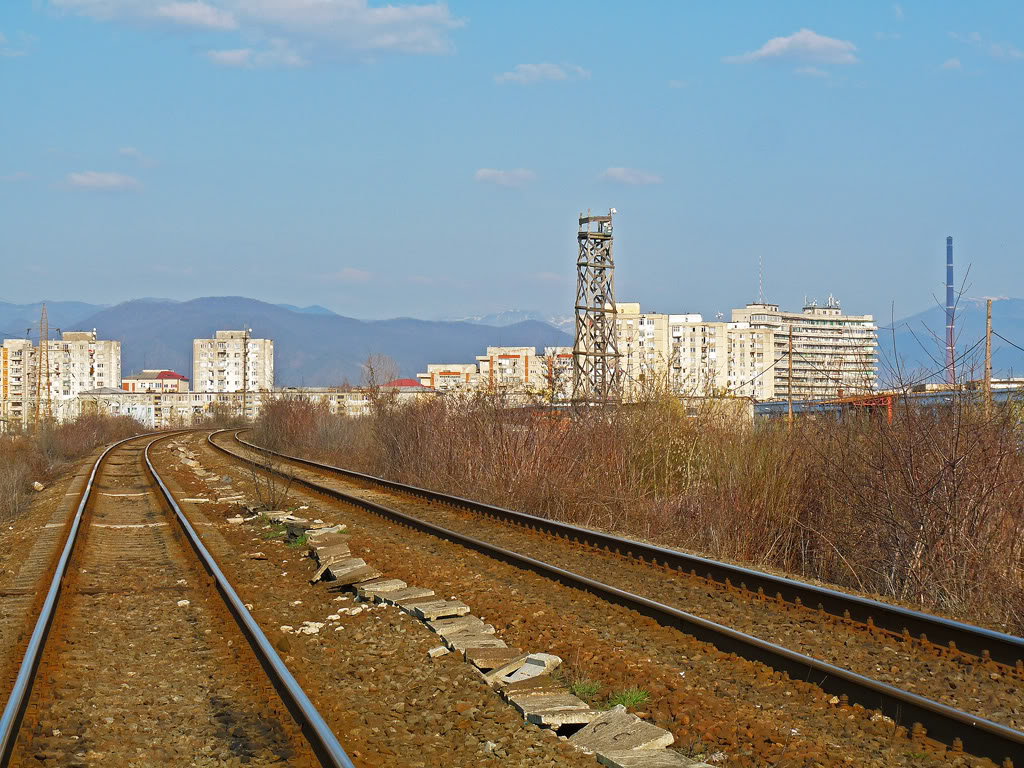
595	354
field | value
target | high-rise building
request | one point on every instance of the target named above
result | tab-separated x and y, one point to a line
75	363
719	358
833	354
643	348
232	361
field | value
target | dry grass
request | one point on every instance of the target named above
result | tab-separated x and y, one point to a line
927	510
41	457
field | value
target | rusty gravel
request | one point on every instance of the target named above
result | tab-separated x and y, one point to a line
963	681
143	665
717	705
389	704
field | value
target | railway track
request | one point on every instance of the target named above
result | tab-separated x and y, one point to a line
981	653
143	653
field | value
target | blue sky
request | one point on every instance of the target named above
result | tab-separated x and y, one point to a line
430	159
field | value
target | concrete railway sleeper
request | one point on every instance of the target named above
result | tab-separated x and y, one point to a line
987	644
946	724
143	653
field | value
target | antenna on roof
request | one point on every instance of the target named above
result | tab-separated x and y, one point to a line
760	278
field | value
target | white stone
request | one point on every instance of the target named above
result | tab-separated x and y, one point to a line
183	603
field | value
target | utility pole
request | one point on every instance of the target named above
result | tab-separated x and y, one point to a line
43	362
988	357
245	366
790	387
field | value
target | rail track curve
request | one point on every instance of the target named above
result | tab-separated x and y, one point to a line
943	723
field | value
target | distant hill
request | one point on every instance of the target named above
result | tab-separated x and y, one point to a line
312	309
15	318
918	342
310	348
566	323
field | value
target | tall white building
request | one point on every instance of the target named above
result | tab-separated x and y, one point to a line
643	348
834	355
719	358
233	361
75	363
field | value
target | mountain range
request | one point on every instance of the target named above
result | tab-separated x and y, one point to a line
314	346
917	343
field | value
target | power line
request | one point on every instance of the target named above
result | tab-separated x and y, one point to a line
762	373
995	333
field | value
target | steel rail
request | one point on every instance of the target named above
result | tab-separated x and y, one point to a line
978	641
21	692
945	724
323	741
320	736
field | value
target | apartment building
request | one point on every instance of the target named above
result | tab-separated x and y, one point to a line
17	385
643	348
450	377
77	362
711	358
232	361
511	370
155	380
162	410
834	354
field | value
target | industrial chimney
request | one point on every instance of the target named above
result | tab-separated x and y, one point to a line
950	361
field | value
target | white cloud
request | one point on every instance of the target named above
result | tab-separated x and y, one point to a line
102	180
16	176
887	35
236	57
951	64
1005	51
136	155
525	74
676	84
995	50
516	177
326	25
278	54
631	176
804	45
812	72
196	14
349	275
897	11
7	52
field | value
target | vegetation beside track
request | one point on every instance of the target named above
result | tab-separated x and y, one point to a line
927	509
43	455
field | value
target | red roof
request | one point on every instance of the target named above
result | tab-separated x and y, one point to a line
152	374
403	383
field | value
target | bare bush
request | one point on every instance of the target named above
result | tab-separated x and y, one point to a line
45	454
926	509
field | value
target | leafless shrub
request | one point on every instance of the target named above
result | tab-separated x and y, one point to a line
927	509
44	455
271	487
